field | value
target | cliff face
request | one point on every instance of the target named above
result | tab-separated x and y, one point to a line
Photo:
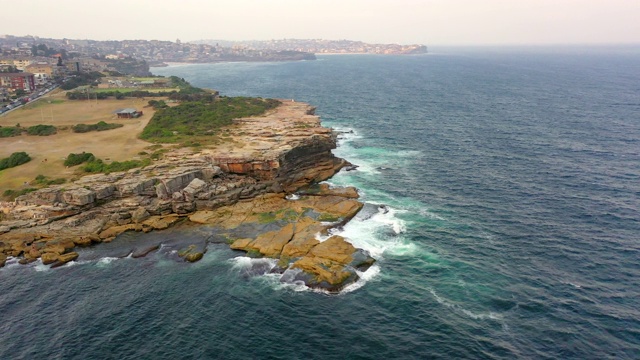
274	155
277	153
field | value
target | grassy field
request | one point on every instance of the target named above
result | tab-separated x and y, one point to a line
48	152
126	90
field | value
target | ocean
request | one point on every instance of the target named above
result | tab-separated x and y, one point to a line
511	180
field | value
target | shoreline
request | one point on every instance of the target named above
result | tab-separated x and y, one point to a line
284	158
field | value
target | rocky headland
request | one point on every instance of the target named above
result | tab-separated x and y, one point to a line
258	190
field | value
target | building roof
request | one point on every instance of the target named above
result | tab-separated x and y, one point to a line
22	74
125	111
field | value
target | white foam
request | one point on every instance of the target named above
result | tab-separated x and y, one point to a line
365	277
321	237
105	261
426	213
378	234
292	197
247	263
11	262
40	267
477	316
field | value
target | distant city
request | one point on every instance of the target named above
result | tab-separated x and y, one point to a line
30	64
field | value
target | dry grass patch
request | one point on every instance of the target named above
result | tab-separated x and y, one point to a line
48	152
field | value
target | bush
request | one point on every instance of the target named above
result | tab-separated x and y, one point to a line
9	131
101	126
42	130
15	159
158	104
202	118
43	180
12	194
97	165
77	159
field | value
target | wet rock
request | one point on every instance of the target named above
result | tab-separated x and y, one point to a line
82	241
3	259
49	258
25	261
270	244
65	258
192	253
144	251
114	231
329	265
162	222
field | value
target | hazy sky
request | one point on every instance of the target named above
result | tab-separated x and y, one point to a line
430	22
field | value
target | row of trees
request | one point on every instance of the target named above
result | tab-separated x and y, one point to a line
80	79
40	130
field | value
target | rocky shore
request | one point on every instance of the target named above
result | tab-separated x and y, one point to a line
258	189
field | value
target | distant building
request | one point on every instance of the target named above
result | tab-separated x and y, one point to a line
128	113
19	64
18	81
42	72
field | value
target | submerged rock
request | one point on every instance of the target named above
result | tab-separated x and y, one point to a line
193	253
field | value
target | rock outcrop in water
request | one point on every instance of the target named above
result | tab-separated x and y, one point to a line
239	186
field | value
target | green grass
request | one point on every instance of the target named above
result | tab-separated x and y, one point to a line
195	118
99	166
45	181
127	90
13	194
328	217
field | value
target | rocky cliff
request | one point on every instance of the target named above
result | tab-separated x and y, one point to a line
262	160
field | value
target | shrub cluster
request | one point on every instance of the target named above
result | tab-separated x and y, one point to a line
77	159
12	194
42	130
158	104
202	118
99	166
81	78
9	131
43	180
15	159
100	126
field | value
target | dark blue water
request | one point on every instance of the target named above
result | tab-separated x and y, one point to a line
512	176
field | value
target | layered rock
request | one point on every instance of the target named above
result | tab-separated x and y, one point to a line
292	231
261	160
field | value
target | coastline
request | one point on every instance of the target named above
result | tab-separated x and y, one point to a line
251	176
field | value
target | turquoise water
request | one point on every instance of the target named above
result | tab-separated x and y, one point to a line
510	178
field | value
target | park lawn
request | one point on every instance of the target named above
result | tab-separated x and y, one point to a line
48	152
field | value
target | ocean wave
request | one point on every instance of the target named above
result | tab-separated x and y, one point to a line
102	262
459	309
378	234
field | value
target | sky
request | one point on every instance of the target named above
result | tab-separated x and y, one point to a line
428	22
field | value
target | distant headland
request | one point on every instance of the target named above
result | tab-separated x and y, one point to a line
159	53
